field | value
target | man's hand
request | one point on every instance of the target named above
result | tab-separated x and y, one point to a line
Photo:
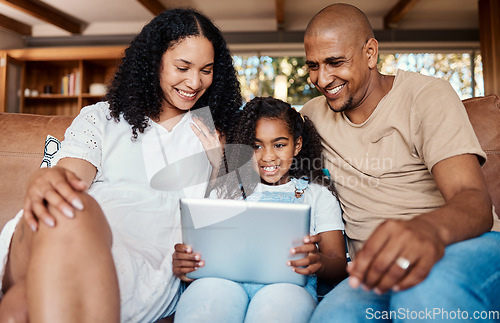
185	261
311	262
55	186
398	255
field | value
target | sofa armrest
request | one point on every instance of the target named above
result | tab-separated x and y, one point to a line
484	115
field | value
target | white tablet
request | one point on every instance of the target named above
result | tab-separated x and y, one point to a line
245	241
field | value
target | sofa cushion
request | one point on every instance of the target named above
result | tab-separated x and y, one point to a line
52	145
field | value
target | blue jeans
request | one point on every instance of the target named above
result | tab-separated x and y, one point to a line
465	283
221	300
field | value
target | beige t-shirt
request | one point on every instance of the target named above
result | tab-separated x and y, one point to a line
382	167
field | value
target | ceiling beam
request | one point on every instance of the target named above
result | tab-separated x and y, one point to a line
400	9
280	14
430	38
15	26
47	13
154	6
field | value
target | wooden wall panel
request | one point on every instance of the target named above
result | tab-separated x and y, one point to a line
489	26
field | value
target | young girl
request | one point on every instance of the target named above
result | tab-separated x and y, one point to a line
287	156
110	248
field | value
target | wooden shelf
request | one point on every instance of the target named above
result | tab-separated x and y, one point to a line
51	97
56	68
88	95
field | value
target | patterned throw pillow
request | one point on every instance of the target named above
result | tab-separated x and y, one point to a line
52	145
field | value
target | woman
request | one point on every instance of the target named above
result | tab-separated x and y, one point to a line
108	240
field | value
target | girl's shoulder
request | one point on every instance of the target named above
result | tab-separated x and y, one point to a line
318	188
323	200
317	191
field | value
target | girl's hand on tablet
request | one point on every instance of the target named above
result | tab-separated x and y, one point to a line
185	261
311	263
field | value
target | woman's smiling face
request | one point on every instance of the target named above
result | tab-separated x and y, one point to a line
186	73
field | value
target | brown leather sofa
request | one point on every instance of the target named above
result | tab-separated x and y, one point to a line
23	139
484	114
21	152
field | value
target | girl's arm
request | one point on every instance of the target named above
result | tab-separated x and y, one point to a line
185	261
325	256
333	256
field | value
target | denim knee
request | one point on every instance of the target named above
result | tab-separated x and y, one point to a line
467	278
345	304
212	300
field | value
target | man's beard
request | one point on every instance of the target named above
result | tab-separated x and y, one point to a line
346	106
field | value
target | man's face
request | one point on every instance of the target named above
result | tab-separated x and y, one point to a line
338	67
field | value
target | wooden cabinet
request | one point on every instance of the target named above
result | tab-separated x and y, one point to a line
60	81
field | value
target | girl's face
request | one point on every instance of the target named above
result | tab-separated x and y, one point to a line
274	150
186	73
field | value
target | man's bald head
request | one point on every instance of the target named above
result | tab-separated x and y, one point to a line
341	55
342	19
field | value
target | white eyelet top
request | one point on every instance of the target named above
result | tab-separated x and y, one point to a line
145	221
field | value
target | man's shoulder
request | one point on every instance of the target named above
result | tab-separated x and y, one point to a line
419	82
314	107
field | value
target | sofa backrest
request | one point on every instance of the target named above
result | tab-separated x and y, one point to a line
22	142
484	115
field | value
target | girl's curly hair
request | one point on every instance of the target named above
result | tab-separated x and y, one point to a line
307	164
135	92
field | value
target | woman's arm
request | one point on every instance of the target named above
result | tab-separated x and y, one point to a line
57	186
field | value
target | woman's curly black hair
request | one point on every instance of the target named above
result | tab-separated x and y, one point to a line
308	164
135	92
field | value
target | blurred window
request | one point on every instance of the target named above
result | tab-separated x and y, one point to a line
257	74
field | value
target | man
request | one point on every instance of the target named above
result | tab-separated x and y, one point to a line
406	163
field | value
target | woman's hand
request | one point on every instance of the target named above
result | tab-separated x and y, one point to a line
211	142
185	261
311	263
56	186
